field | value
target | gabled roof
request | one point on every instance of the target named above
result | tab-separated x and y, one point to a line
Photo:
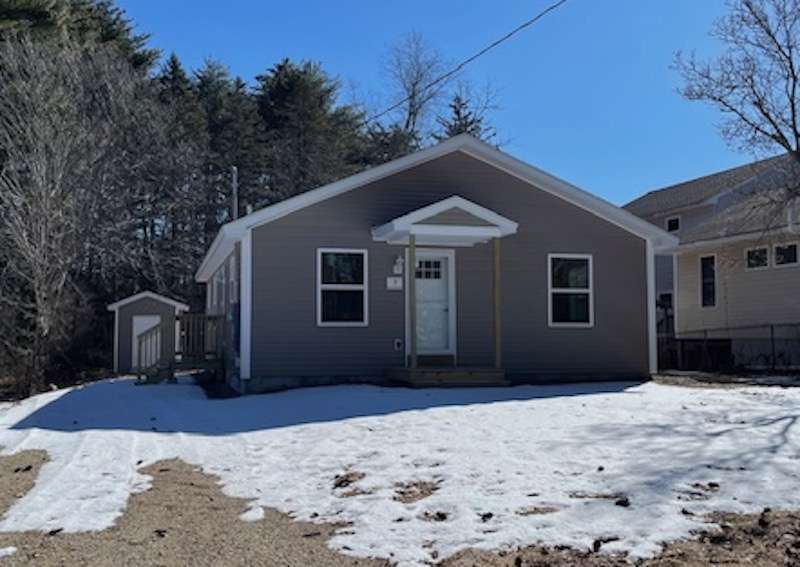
697	191
232	232
422	222
148	295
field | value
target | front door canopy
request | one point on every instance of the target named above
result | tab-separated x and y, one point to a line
454	221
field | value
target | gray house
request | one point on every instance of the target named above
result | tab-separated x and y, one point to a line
457	264
735	276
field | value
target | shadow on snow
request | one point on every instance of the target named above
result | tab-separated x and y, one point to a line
170	408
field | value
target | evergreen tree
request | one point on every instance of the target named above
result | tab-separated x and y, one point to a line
464	118
81	22
310	139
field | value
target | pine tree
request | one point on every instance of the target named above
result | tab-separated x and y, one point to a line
465	117
310	140
80	22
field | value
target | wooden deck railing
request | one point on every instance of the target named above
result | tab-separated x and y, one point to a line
199	337
189	338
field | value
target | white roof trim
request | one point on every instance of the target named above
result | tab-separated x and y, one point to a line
148	295
398	230
232	232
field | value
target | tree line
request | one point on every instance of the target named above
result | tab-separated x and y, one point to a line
115	165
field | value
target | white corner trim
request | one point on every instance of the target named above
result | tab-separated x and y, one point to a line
320	287
652	329
246	305
148	295
233	231
551	290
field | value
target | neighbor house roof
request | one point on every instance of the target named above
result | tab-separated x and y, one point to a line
765	204
148	295
232	232
698	190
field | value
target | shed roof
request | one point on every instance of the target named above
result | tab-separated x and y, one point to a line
148	295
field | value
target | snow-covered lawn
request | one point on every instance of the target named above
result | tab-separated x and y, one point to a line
495	456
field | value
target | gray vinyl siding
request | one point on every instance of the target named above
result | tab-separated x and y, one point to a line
144	306
455	217
286	341
757	297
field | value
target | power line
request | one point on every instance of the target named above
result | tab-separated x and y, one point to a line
470	59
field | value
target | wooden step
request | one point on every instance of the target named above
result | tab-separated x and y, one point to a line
456	377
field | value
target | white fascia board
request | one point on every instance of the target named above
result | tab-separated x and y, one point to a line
148	295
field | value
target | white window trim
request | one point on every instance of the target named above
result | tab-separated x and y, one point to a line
775	256
700	281
342	287
747	251
551	290
673	217
233	284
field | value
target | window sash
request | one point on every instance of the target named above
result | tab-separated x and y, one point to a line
787	246
323	287
587	291
708	281
753	254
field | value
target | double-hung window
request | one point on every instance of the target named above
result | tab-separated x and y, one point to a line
570	290
342	287
708	281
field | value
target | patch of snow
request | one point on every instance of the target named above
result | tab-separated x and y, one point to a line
7	551
253	514
492	453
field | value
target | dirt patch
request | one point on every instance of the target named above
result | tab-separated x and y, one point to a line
18	473
184	519
411	492
726	381
765	540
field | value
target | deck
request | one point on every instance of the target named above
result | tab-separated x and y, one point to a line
448	376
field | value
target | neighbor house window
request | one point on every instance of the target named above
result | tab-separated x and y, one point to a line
708	281
673	224
570	290
341	287
757	258
786	254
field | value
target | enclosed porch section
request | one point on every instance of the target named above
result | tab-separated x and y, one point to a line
430	238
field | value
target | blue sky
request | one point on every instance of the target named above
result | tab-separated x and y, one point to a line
587	94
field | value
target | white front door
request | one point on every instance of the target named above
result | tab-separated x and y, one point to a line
435	294
141	324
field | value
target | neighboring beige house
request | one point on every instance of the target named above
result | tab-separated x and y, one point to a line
735	277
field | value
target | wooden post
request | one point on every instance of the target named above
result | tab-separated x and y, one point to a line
411	271
498	336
